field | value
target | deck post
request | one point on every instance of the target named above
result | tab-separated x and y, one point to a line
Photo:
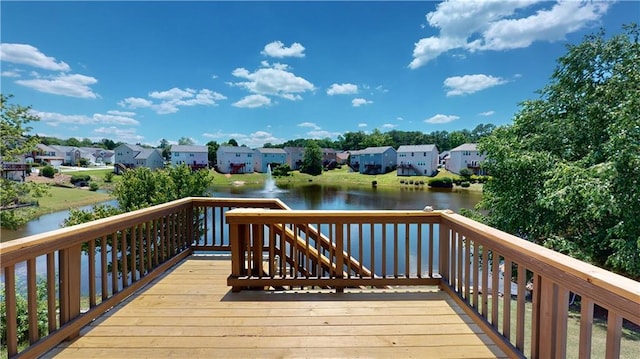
237	241
69	269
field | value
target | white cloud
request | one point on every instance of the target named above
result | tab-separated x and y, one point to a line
74	85
487	113
468	84
320	134
253	101
277	49
309	124
135	102
362	124
28	55
253	140
55	119
342	89
10	73
121	113
357	102
171	100
501	25
399	118
119	134
214	76
389	126
274	80
440	118
381	88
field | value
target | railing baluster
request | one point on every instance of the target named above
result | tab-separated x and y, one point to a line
476	276
467	269
10	301
103	269
586	327
431	239
91	256
506	305
372	244
395	250
407	250
32	300
384	250
114	262
614	332
124	257
134	252
52	317
419	249
495	288
485	282
141	254
520	317
459	251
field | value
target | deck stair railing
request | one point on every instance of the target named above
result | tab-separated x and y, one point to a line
517	291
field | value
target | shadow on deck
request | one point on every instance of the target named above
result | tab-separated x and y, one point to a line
190	312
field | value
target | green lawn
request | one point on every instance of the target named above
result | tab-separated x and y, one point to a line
61	198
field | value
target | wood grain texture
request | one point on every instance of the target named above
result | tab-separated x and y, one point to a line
190	312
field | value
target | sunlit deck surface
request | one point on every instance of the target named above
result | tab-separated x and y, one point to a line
191	312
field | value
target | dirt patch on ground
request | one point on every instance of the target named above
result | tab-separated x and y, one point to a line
59	178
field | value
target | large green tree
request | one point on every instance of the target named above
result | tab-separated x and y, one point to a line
14	128
567	171
312	160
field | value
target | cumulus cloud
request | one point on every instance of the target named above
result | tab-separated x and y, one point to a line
118	134
502	25
277	49
170	101
24	54
320	134
388	126
254	139
468	84
253	101
342	89
487	113
10	73
357	102
55	119
272	80
309	124
74	85
440	118
362	124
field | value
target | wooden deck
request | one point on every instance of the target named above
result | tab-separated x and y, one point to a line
190	312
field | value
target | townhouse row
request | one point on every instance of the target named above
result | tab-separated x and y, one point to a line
416	160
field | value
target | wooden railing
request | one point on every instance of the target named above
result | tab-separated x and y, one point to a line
89	268
476	264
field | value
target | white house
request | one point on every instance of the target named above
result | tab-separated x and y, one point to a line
48	155
133	156
295	156
465	156
196	157
417	160
233	159
264	157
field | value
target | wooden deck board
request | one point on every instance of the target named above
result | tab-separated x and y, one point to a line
190	312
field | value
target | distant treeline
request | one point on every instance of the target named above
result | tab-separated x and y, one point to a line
394	138
348	141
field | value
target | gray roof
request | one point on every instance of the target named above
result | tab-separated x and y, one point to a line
278	151
466	147
234	149
375	150
146	152
417	148
191	148
46	148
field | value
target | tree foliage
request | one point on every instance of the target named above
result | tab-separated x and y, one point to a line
567	171
14	127
312	160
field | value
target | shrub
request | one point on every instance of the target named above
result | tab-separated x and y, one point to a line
442	182
80	178
108	177
93	186
465	184
48	171
466	173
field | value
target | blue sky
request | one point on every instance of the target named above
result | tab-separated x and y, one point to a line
274	71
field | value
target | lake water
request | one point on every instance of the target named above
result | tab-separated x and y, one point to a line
312	196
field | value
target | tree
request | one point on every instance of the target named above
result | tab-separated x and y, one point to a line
565	173
108	144
186	141
312	160
73	142
14	126
212	148
233	142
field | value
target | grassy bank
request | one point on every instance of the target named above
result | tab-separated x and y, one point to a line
338	176
62	198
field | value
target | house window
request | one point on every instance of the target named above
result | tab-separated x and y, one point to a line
191	155
411	154
237	155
